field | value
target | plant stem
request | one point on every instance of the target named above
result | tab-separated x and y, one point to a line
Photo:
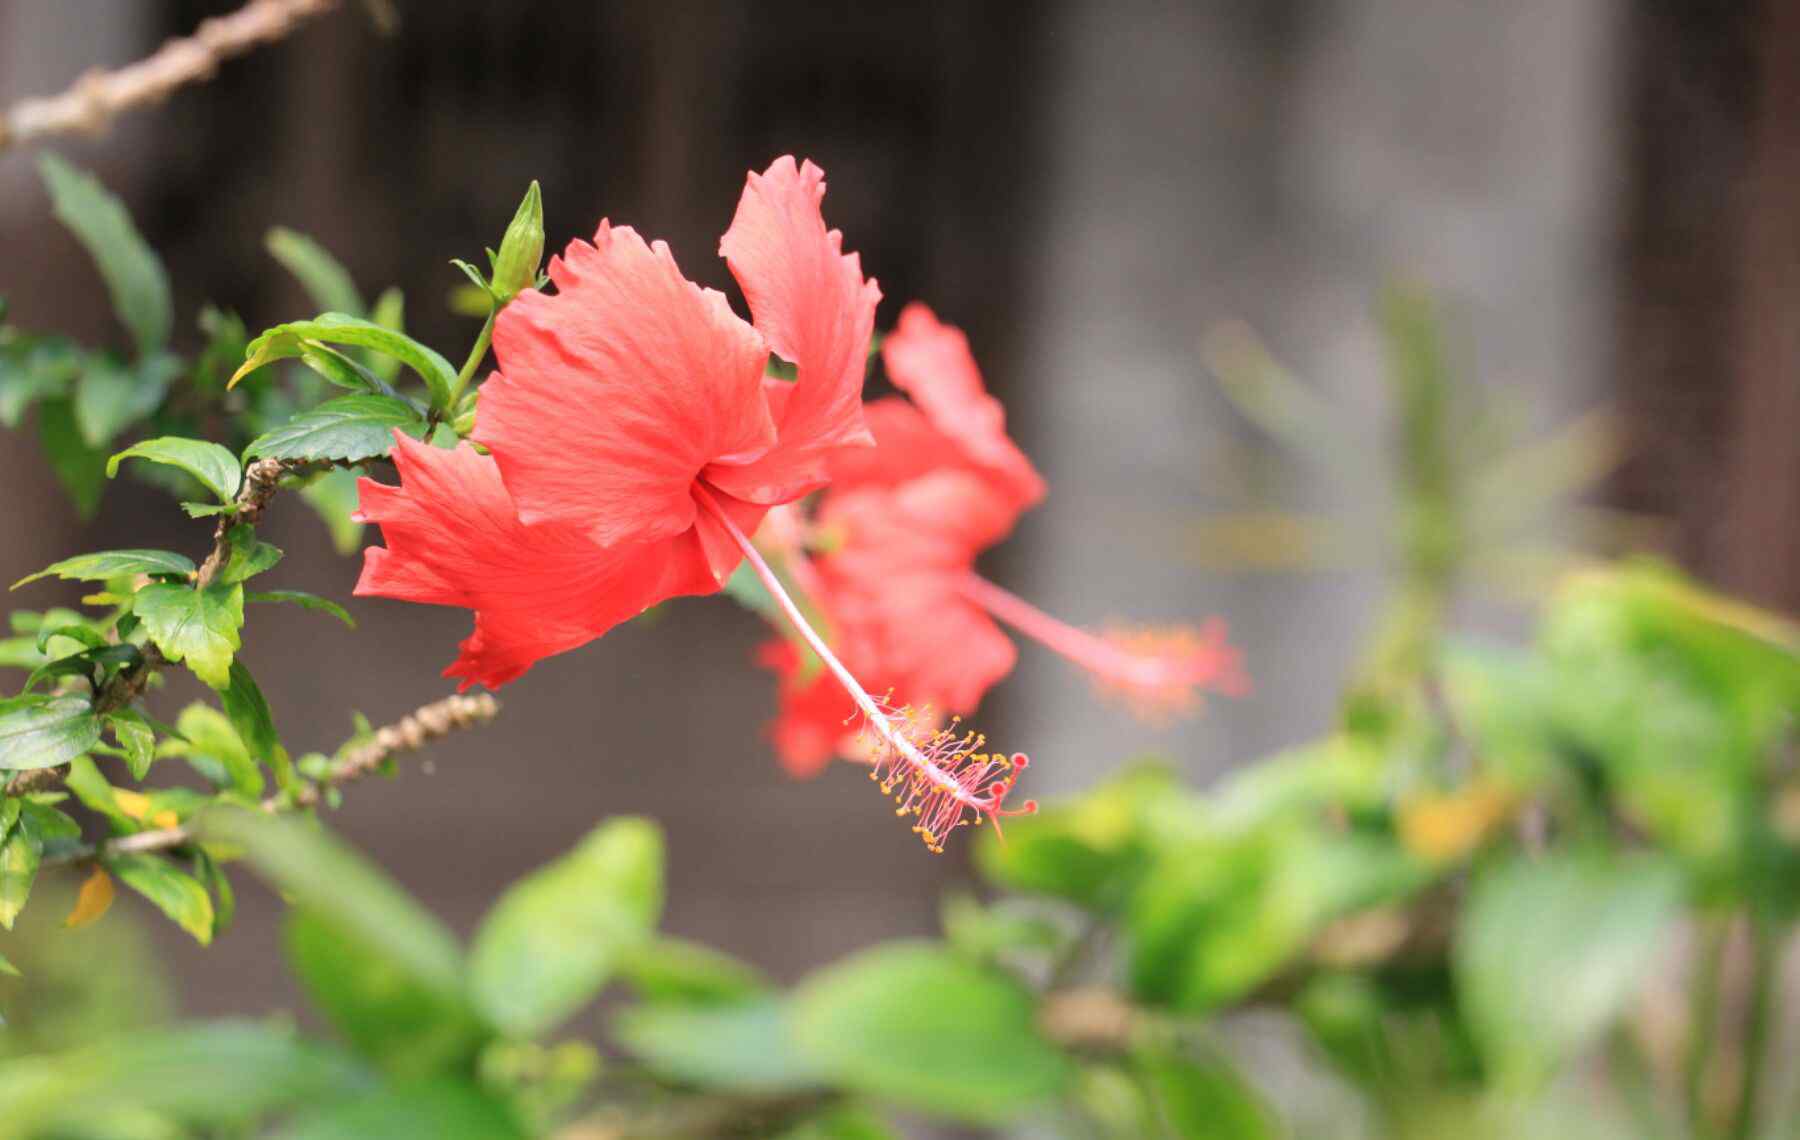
476	355
1703	1019
1764	993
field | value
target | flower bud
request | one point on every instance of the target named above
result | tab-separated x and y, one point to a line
521	250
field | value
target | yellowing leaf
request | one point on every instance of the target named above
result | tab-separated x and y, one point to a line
137	806
1443	828
94	899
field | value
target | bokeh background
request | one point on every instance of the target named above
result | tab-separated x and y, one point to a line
1600	196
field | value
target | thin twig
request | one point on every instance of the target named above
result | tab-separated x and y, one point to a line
409	734
90	105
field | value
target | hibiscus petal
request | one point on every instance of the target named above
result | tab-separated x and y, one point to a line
907	446
453	538
614	393
811	303
930	361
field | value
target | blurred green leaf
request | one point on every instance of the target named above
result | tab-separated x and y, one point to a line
386	1013
198	627
674	970
110	396
842	1123
173	891
136	739
334	496
919	1026
327	283
221	1074
20	854
285	341
306	601
134	275
746	1046
557	935
1203	1100
212	747
440	1110
42	371
1549	952
207	462
348	428
43	731
106	564
79	468
341	887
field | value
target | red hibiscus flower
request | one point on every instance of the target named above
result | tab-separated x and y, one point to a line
618	402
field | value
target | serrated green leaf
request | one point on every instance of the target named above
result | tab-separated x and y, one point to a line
207	462
173	891
323	875
285	341
327	283
248	557
42	732
917	1025
110	396
211	745
195	627
306	601
134	275
104	564
136	739
348	428
250	716
79	468
20	854
555	936
746	1046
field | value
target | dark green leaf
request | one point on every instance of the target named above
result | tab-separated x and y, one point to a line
327	283
304	600
20	854
76	666
284	341
207	462
42	732
111	396
79	468
926	1029
1549	952
440	1110
349	428
404	1026
340	886
555	937
249	555
745	1046
136	739
174	892
337	368
106	564
199	627
249	712
133	273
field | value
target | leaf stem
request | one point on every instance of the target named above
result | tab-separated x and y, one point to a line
476	355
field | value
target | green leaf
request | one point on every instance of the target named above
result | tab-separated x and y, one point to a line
249	712
224	898
845	1122
133	273
7	969
212	746
324	876
249	555
919	1026
174	892
79	468
339	369
207	462
743	1046
306	601
111	396
220	1074
326	282
1204	1100
389	312
1549	953
136	739
100	566
348	428
441	1110
43	371
404	1026
675	970
20	854
285	341
333	496
555	936
42	732
198	627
